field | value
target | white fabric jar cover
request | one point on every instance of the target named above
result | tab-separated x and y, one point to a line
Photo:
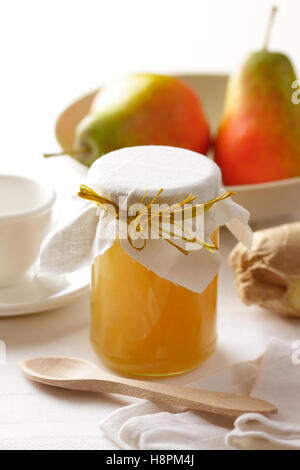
129	173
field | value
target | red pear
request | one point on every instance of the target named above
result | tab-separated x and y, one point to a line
259	136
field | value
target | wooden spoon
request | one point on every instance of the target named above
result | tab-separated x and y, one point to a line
77	374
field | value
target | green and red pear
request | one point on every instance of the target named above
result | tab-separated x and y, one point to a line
259	136
141	109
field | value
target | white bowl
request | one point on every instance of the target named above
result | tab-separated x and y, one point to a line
269	203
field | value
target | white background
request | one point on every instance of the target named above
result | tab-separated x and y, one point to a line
53	51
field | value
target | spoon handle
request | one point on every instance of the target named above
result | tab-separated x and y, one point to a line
195	399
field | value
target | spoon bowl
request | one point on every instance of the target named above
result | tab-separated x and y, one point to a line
82	375
58	368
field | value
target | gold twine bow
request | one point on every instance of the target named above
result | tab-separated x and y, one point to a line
146	215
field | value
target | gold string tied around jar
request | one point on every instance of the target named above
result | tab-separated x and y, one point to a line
146	215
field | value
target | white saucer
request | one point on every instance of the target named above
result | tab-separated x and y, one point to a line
43	292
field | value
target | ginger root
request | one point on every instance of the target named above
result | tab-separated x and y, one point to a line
269	273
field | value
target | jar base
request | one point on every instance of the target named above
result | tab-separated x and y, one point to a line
205	354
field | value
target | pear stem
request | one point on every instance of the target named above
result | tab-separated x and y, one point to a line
72	152
269	28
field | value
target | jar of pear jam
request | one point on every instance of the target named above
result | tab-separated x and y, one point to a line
143	324
153	302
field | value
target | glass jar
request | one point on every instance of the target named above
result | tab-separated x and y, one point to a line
153	297
143	324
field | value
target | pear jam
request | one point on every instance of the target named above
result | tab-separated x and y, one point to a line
149	229
145	325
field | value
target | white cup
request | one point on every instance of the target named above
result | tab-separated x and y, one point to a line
25	216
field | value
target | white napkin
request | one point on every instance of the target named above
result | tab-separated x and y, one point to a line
275	378
128	173
89	234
